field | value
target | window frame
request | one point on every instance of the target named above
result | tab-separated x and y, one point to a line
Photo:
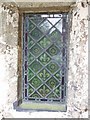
22	105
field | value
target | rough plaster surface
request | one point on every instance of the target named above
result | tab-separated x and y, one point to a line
77	102
37	1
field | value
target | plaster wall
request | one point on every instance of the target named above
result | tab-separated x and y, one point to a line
77	101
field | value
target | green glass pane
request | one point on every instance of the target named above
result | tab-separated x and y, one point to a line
37	19
45	54
31	25
57	91
35	82
58	75
35	95
52	95
44	74
55	35
30	42
44	90
52	67
44	58
58	58
36	34
53	50
52	83
44	42
36	66
30	74
30	58
30	90
36	50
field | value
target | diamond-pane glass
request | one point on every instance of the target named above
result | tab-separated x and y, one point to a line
45	42
30	74
52	95
44	74
54	35
52	83
53	50
58	75
52	67
35	82
45	26
36	34
36	50
57	91
35	66
31	25
30	89
44	52
30	42
37	19
44	58
30	58
44	90
35	95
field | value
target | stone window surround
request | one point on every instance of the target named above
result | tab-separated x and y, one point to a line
62	106
49	9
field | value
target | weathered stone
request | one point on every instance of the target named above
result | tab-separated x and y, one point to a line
77	99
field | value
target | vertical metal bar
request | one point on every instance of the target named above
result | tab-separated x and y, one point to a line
64	16
23	57
25	43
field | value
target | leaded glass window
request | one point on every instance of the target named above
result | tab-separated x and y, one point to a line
45	57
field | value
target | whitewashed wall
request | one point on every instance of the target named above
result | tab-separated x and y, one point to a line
77	104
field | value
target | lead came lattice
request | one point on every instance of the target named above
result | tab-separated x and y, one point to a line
44	52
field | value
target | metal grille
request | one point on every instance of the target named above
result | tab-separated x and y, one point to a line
44	57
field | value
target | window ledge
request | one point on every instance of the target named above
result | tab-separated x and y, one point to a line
38	106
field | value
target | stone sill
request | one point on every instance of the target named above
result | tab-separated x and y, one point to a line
38	106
